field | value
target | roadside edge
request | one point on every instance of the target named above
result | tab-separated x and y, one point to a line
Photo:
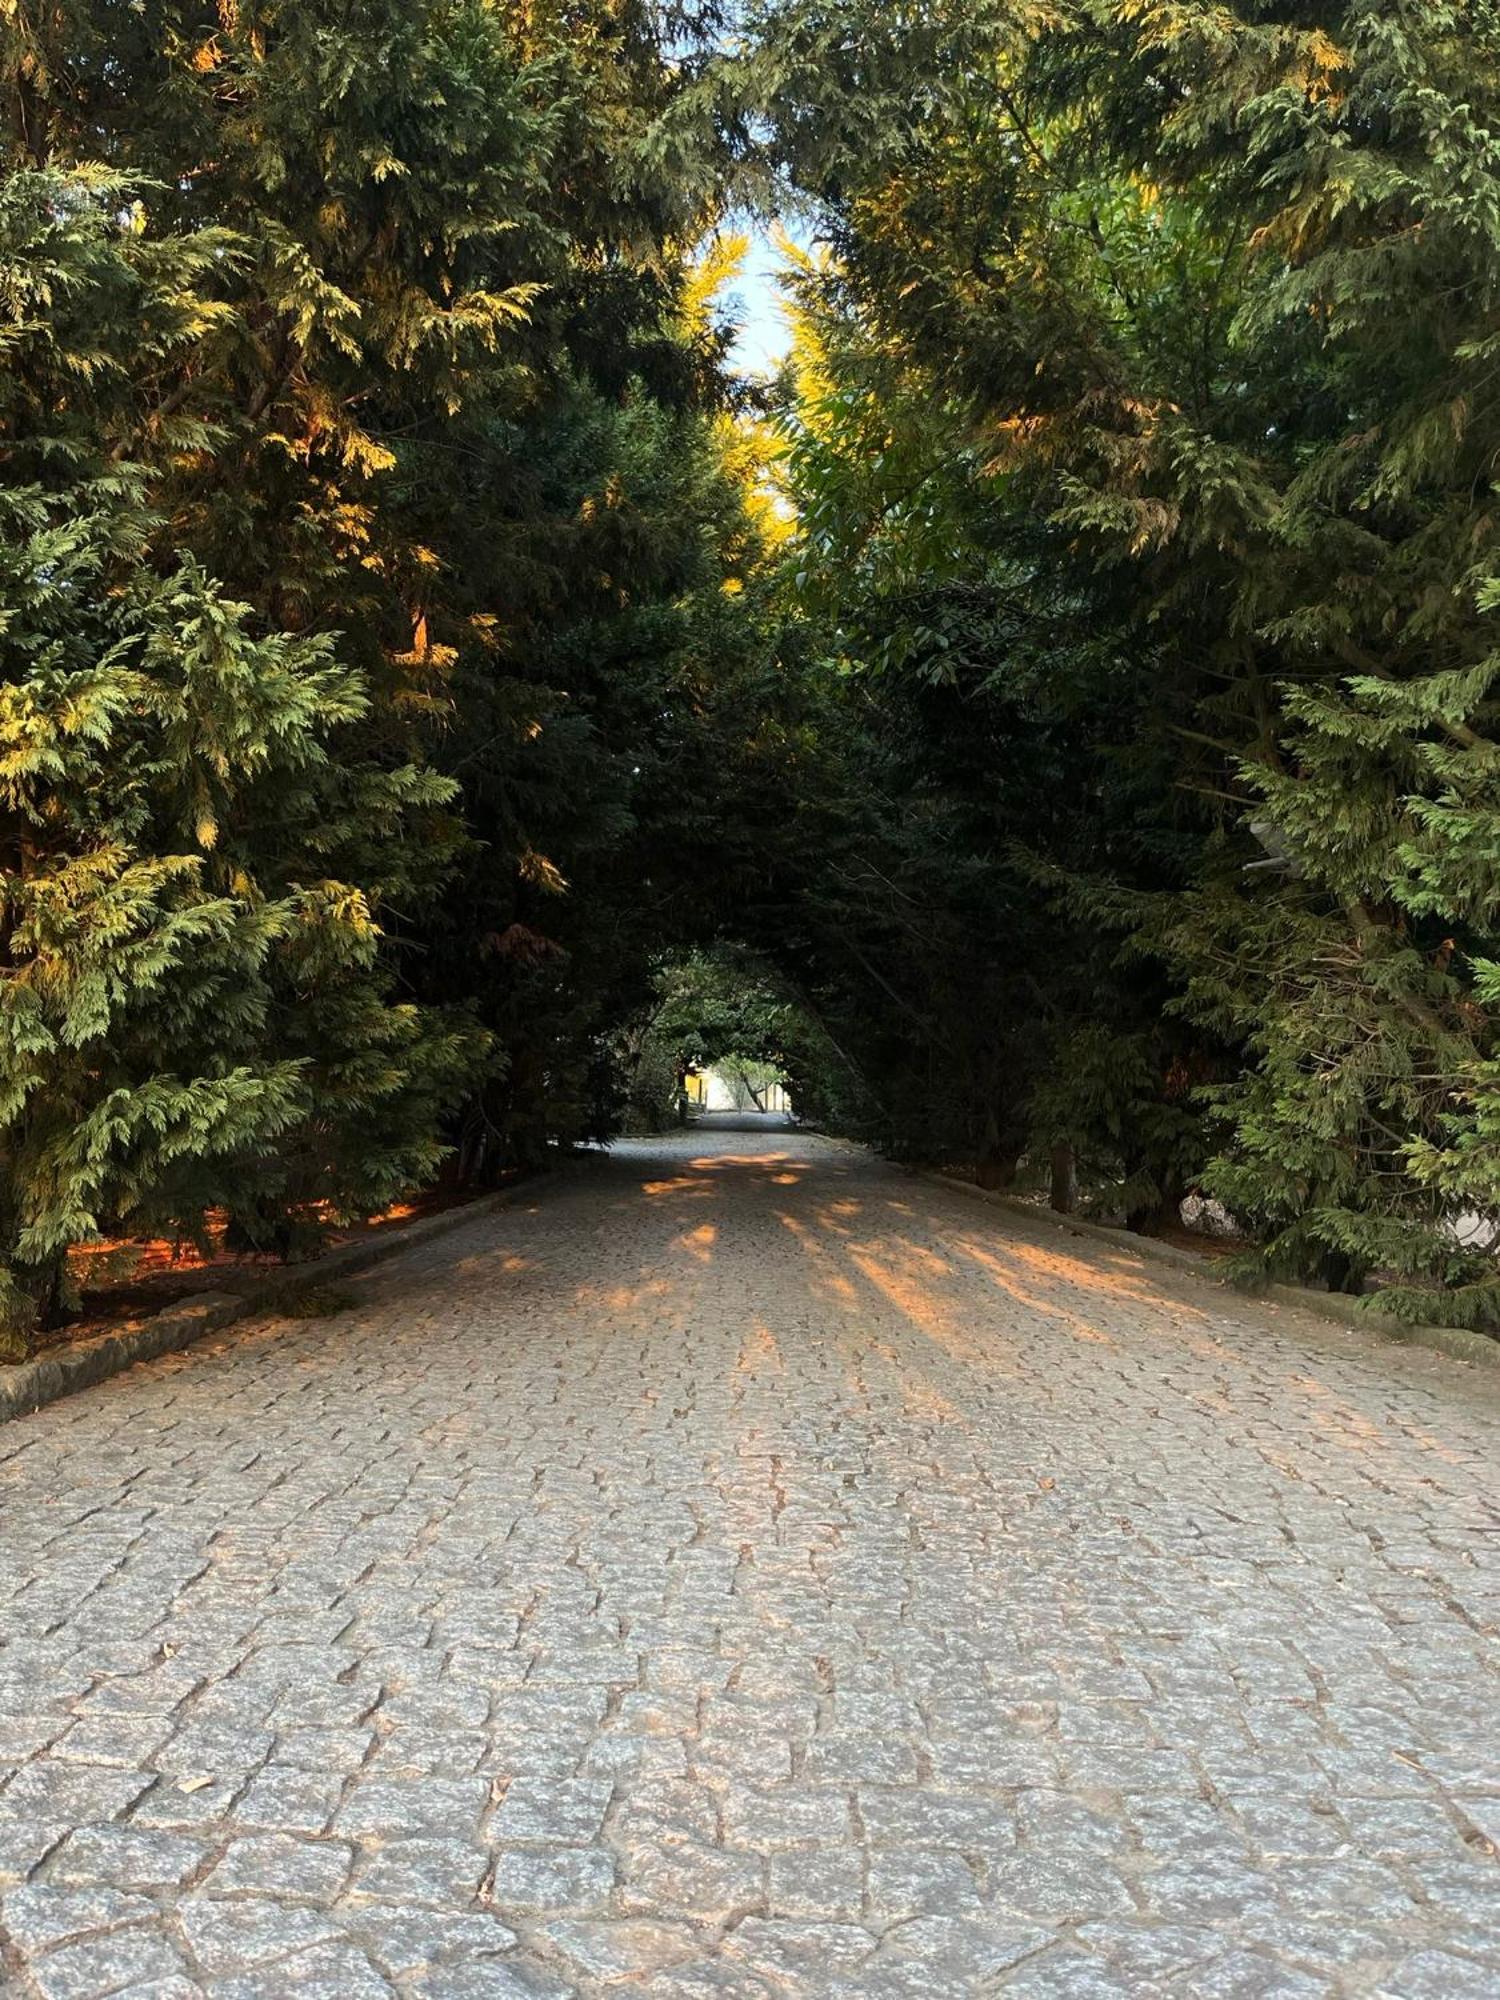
1457	1343
26	1386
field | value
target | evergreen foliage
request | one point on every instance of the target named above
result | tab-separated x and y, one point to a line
191	945
1056	723
365	505
1206	299
725	1008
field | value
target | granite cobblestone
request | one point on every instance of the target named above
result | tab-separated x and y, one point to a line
749	1571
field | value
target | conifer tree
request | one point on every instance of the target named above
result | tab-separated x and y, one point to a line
436	434
1210	294
1355	953
176	910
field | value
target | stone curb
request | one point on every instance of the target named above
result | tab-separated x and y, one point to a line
1456	1342
62	1371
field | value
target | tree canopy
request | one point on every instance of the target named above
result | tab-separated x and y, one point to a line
1054	720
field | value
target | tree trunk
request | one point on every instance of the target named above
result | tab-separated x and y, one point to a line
1064	1196
997	1167
42	1300
1152	1217
1340	1272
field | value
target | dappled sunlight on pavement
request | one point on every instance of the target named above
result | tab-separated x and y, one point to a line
742	1571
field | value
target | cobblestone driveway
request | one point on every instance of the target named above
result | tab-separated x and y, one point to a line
754	1572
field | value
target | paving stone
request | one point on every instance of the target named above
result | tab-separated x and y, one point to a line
326	1972
562	1878
1438	1975
995	1760
284	1800
1402	1828
689	1876
22	1736
1246	1975
878	1714
785	1949
276	1864
789	1818
320	1704
180	1807
438	1707
630	1951
642	1757
228	1934
910	1882
1289	1829
845	1757
1057	1824
1146	1954
1481	1816
1345	1887
105	1965
392	1806
961	1947
405	1938
1462	1889
915	1817
1339	1953
1189	1831
668	1810
77	1793
42	1915
25	1842
909	1602
430	1753
1066	1975
817	1882
127	1742
712	1978
217	1750
447	1872
128	1857
489	1979
568	1812
176	1986
1207	1890
159	1691
1060	1888
318	1749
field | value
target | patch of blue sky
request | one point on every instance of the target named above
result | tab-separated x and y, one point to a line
754	302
